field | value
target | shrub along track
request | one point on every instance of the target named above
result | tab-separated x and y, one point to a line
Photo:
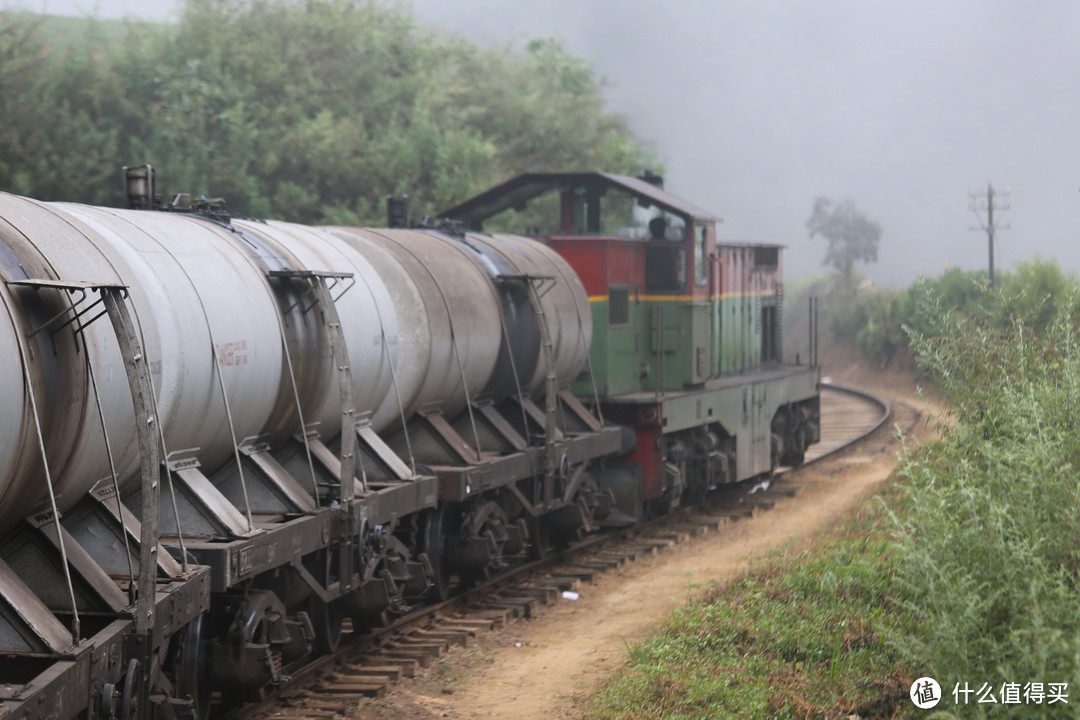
617	585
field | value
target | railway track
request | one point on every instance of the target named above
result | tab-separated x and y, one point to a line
847	416
367	665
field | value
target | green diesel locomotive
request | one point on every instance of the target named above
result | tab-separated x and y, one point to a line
687	344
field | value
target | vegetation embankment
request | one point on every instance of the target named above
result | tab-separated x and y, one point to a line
310	112
879	322
965	571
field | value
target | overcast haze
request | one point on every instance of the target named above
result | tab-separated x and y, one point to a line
757	107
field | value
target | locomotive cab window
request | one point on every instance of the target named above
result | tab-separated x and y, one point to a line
665	268
701	254
770	347
766	258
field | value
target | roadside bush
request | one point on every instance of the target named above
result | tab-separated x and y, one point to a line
878	321
990	532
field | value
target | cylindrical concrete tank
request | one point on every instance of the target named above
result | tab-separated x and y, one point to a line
432	321
562	298
566	306
200	299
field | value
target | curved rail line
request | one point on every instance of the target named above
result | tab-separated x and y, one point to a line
366	665
847	416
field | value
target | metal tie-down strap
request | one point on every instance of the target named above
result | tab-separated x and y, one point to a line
321	289
539	286
113	296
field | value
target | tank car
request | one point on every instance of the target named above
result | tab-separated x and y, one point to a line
221	438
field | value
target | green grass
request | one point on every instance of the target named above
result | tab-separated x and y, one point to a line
801	636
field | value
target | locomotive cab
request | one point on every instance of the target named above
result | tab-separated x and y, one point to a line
672	306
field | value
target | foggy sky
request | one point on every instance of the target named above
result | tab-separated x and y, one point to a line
757	107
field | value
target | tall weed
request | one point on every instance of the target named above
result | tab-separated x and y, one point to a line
990	535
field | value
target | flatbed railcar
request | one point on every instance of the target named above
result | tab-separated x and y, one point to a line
220	438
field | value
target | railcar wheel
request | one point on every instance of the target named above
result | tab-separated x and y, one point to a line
129	699
540	544
433	544
189	668
328	621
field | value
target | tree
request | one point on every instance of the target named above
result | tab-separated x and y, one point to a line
303	110
852	236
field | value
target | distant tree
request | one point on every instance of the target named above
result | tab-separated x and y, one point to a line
852	236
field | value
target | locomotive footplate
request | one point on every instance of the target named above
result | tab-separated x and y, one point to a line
740	408
293	538
458	482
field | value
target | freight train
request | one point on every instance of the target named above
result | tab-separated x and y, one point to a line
221	438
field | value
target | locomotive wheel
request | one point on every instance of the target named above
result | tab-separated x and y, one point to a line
327	621
433	544
190	666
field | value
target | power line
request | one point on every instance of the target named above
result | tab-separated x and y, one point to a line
989	201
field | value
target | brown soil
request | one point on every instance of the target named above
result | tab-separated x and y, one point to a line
548	667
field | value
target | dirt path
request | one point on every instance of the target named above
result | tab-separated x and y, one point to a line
546	668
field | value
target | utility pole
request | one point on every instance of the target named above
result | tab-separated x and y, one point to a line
989	201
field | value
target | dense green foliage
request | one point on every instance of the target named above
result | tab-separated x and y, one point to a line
991	537
879	320
309	111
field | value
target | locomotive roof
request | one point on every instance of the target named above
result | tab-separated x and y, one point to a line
519	190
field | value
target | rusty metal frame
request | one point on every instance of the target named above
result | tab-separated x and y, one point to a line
138	374
205	495
273	475
106	497
501	426
378	449
458	483
113	296
449	437
580	411
81	561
